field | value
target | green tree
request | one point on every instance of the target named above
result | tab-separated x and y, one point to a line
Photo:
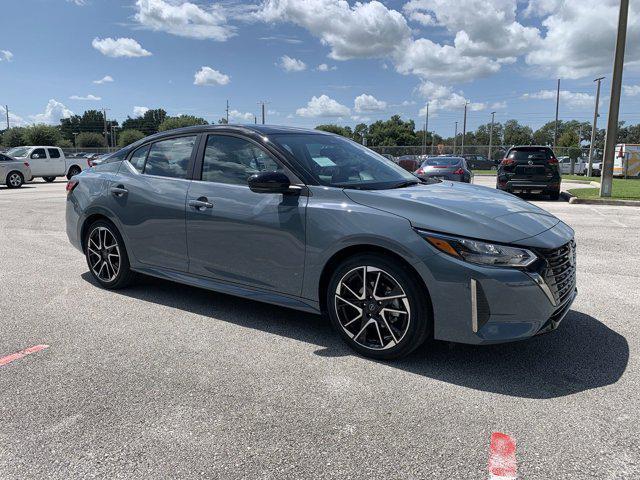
482	134
182	121
90	140
147	123
64	143
516	134
331	128
127	137
392	132
360	131
42	135
13	137
569	139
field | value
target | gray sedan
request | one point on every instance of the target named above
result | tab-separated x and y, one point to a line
14	173
445	168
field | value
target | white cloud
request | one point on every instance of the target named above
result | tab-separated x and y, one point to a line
6	55
441	97
105	79
120	47
572	99
53	112
14	120
323	67
631	90
323	106
80	3
580	38
139	111
498	105
184	19
210	77
88	97
241	116
359	31
289	64
368	103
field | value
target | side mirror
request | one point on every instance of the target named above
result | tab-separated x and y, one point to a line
269	182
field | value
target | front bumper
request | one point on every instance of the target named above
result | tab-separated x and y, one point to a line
485	305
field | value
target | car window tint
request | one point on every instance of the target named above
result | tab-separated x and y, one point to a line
40	152
138	158
170	158
53	152
4	159
530	154
233	160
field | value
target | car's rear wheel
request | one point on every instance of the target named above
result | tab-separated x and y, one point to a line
73	171
378	307
49	179
555	195
106	256
15	180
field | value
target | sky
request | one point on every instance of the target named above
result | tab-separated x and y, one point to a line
315	61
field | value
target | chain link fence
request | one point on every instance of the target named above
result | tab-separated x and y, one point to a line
497	151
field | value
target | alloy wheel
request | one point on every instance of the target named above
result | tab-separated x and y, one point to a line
104	254
15	180
372	308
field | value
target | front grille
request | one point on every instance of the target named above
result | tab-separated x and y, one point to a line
560	271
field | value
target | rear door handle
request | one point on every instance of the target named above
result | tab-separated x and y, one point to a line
119	191
201	204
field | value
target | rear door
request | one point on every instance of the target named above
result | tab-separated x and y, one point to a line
149	198
57	164
530	164
39	163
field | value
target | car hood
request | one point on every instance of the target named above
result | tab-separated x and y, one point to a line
461	209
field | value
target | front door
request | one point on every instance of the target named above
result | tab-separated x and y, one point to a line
149	195
239	236
39	162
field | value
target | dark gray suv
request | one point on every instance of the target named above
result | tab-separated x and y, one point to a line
530	170
316	222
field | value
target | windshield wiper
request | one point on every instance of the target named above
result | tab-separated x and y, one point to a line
408	183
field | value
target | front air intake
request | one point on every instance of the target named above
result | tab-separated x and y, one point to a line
479	307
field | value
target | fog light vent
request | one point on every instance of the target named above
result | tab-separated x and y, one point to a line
479	307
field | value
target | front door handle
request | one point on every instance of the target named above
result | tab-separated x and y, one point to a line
201	204
119	191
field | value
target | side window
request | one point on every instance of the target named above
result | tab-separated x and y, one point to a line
170	158
53	152
233	160
138	158
39	152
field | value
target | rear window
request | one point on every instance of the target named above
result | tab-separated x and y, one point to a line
53	153
523	154
441	162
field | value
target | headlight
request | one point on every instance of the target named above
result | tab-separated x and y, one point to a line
481	253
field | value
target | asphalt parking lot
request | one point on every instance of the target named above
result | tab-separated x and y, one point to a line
168	381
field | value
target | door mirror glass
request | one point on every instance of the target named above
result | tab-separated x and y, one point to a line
269	182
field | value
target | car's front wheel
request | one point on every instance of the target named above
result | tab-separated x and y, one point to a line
15	180
378	307
73	171
106	256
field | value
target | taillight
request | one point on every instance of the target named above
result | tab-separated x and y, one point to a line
71	184
553	161
90	163
420	171
459	171
26	164
507	161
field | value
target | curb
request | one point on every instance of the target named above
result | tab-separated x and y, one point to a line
567	197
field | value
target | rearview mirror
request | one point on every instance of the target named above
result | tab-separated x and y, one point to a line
269	182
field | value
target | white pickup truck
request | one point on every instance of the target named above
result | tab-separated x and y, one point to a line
49	162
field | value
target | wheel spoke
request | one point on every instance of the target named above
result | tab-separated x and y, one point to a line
349	303
386	324
369	322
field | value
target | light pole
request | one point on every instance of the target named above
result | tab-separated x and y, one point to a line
455	139
555	133
594	128
606	180
464	127
493	117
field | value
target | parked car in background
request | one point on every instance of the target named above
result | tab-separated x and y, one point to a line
49	162
580	165
445	168
627	161
316	222
409	162
480	162
529	169
14	173
390	157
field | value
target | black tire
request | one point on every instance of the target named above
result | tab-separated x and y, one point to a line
14	179
416	329
49	179
554	195
73	171
124	275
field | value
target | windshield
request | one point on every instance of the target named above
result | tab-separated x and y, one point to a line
338	162
441	162
18	152
521	154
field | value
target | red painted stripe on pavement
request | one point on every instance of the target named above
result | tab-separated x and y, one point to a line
502	457
22	353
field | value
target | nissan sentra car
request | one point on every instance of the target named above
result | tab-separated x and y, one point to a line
315	222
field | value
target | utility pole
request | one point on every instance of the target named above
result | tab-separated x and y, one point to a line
255	119
263	106
75	134
6	109
426	129
227	110
555	133
455	139
594	129
606	180
464	127
104	117
493	118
